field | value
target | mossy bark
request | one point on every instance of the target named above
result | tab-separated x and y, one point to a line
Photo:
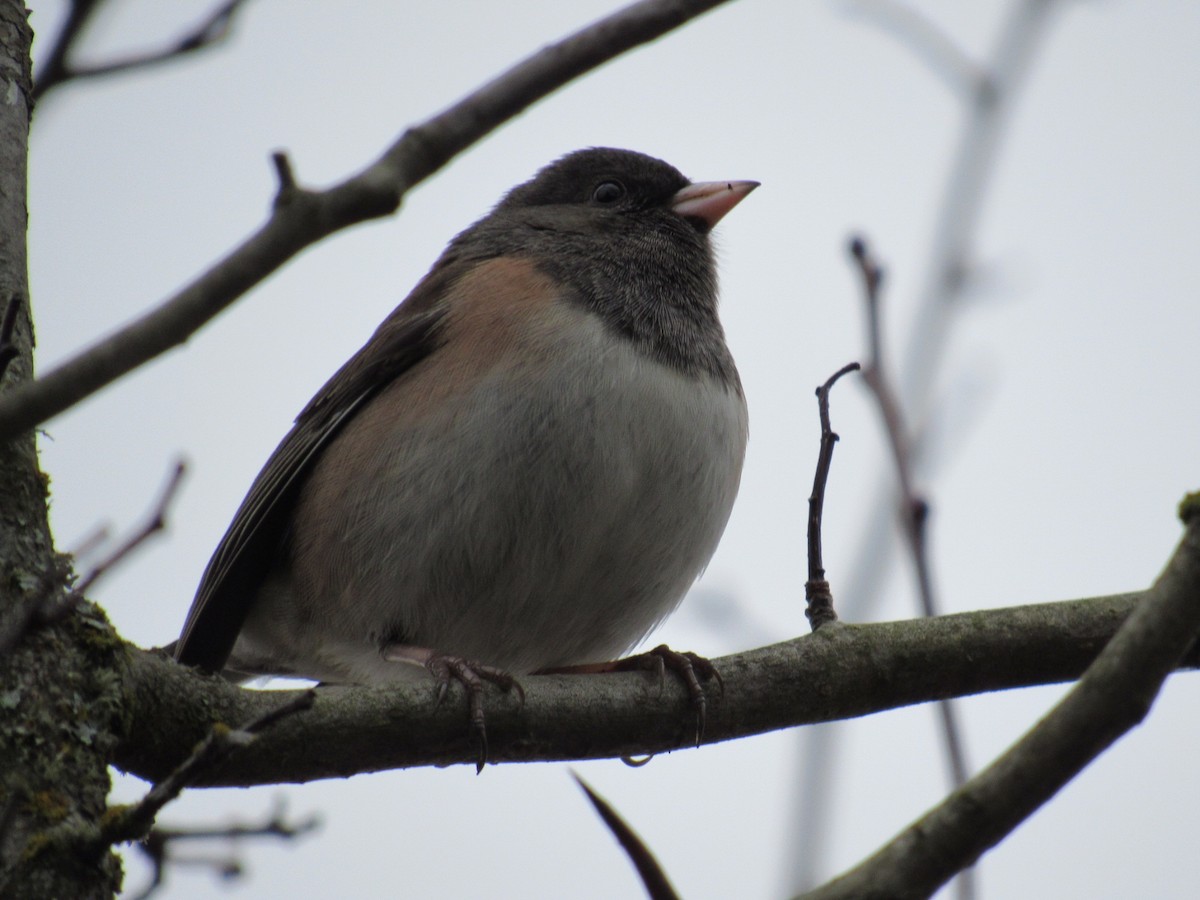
59	702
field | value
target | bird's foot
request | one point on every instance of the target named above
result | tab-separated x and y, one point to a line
470	674
693	669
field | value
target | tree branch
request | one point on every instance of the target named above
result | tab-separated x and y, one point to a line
841	671
209	32
54	70
914	508
134	822
308	216
1113	696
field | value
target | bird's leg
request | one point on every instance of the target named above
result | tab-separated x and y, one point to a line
470	674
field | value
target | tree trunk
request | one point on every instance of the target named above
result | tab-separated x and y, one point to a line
58	696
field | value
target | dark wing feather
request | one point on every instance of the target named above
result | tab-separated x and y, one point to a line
251	545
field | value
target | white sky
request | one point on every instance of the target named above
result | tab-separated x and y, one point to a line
1070	387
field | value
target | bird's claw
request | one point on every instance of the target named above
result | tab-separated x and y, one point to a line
695	670
471	675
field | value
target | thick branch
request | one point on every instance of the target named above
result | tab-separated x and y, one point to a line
301	218
842	671
132	823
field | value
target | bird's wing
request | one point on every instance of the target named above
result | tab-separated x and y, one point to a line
251	545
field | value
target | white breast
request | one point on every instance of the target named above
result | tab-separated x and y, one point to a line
552	514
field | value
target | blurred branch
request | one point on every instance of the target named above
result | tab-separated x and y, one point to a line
841	671
926	39
53	70
1113	696
654	879
58	69
155	522
158	846
987	110
964	193
303	217
914	508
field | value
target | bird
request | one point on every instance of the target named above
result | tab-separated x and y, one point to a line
525	467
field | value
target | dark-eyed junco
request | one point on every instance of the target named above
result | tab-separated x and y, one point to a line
526	466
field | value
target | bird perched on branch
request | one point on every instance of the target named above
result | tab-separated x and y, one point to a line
525	467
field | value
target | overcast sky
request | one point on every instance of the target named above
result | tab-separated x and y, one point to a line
1067	402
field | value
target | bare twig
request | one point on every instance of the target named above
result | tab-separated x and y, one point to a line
59	70
1112	697
8	325
658	886
914	508
156	522
158	845
953	238
285	175
817	594
311	215
47	605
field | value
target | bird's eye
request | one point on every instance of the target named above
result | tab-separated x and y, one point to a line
608	192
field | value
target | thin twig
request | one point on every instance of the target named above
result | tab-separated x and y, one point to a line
47	605
156	522
654	879
817	594
59	70
286	177
1112	696
913	506
373	193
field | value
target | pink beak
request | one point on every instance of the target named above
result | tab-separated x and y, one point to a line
708	201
